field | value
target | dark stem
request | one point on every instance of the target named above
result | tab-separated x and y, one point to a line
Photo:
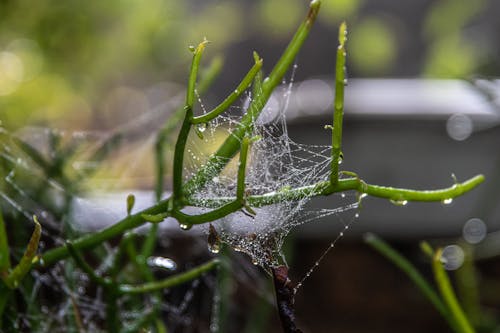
284	299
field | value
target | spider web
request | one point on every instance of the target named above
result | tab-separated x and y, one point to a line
275	163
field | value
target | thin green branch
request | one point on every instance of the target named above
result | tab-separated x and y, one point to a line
195	65
4	247
446	290
240	188
80	262
230	205
24	265
180	145
169	282
324	188
207	77
116	265
338	113
94	239
231	145
247	80
187	221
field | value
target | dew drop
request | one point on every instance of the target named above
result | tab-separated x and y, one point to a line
342	195
215	179
162	262
399	202
447	201
255	262
474	231
214	247
453	257
356	215
185	226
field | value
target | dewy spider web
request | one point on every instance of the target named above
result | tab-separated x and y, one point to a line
275	163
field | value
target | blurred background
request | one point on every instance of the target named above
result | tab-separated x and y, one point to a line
422	103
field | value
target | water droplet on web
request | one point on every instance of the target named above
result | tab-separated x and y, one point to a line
215	179
342	195
474	231
255	262
202	127
453	257
214	247
185	226
399	202
447	201
459	126
356	215
162	262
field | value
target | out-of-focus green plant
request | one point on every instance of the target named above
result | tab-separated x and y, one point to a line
463	312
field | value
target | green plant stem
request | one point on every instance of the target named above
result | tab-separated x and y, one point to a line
230	146
189	220
80	262
116	265
5	294
207	77
449	297
4	247
402	263
247	80
240	188
356	184
24	265
150	241
230	205
169	282
180	145
338	104
468	286
93	239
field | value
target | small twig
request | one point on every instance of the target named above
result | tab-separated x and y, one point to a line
444	285
224	105
284	299
168	282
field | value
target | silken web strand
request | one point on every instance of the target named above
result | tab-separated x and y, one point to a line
275	163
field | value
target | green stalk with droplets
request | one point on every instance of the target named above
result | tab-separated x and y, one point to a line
338	105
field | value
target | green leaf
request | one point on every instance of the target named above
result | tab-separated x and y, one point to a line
4	247
27	260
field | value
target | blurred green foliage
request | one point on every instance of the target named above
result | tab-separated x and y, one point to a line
58	57
59	60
